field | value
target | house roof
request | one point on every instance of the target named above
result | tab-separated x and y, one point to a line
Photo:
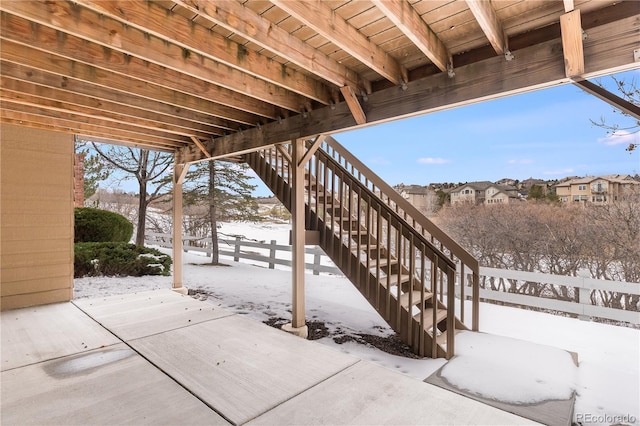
213	78
588	179
415	189
478	186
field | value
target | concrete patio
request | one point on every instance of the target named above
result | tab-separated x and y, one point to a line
163	358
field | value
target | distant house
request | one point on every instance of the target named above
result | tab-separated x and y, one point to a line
527	184
591	189
483	193
421	197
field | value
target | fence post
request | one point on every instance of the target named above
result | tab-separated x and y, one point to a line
316	263
584	294
236	250
272	254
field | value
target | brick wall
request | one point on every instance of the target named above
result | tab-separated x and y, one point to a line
78	180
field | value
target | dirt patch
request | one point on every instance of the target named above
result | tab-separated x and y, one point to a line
317	329
209	264
389	344
275	322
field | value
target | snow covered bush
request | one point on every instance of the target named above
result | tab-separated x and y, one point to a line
119	259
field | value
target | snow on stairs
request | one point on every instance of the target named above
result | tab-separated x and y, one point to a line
398	268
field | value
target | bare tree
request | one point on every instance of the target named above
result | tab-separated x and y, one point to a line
630	92
547	237
149	168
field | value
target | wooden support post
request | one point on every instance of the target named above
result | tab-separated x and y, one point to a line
179	172
297	325
571	29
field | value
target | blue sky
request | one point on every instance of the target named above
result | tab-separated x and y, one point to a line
544	134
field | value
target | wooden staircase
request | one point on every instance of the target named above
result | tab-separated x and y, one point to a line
400	261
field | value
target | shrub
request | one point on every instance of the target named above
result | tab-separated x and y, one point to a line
119	259
95	225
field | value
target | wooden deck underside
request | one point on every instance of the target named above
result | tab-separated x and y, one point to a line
163	358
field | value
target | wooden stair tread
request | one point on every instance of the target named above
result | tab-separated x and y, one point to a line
382	262
359	232
393	279
415	297
442	338
428	316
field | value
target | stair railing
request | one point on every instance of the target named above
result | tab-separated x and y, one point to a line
338	185
468	268
395	255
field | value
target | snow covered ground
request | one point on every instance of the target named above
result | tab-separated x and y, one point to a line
606	383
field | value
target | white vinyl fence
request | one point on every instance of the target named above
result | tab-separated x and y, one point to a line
583	307
237	248
279	254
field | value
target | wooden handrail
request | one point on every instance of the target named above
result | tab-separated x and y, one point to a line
459	251
405	225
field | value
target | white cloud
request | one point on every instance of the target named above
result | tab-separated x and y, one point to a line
433	160
621	137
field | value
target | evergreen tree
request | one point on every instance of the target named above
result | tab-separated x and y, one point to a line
535	193
226	190
94	169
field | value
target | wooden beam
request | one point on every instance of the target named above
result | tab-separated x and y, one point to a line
284	152
23	54
96	122
491	26
610	98
229	104
201	146
571	29
568	5
153	18
64	126
91	106
319	16
404	16
608	50
235	17
88	25
110	141
161	111
39	96
354	104
312	149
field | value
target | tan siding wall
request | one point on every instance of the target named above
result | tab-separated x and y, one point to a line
36	212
